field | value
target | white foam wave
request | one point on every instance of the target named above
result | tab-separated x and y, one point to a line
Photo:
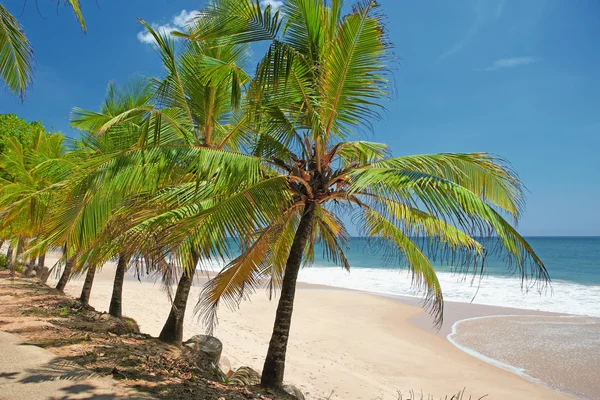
564	297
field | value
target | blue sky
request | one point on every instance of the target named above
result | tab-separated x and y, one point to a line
516	78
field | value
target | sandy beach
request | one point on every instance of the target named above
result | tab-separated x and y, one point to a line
331	200
344	344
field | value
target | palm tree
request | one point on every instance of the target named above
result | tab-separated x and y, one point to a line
196	105
322	80
24	200
118	100
204	83
16	53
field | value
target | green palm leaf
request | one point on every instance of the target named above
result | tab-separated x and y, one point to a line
457	205
16	55
487	176
353	77
402	247
242	21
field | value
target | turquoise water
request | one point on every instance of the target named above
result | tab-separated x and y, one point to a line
572	262
572	259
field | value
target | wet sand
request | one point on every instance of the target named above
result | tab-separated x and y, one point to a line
561	352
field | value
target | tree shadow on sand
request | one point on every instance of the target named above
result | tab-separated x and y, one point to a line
86	384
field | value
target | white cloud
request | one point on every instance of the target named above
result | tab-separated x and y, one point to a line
146	37
512	62
275	4
185	18
178	22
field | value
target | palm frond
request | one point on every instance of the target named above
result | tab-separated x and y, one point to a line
234	21
354	80
16	55
303	27
77	10
402	247
332	233
361	152
242	275
457	205
488	176
444	241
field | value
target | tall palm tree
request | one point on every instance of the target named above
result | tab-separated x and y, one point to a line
204	82
16	53
322	80
196	105
119	99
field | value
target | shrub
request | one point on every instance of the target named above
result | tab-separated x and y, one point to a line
131	324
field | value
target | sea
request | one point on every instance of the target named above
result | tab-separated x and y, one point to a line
573	264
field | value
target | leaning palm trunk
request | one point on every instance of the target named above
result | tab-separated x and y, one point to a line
41	265
273	369
87	285
116	309
42	271
172	331
14	259
20	247
30	267
9	254
66	274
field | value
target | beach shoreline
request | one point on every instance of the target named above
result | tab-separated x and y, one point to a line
344	344
569	365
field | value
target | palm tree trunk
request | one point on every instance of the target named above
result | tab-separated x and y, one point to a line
172	331
30	267
87	285
20	247
15	262
273	369
66	274
41	262
116	301
9	254
42	271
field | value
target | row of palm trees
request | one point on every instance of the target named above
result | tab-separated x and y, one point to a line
170	170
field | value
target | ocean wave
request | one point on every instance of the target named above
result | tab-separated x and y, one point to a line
560	297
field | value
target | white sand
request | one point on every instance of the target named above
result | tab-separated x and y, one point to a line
354	345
